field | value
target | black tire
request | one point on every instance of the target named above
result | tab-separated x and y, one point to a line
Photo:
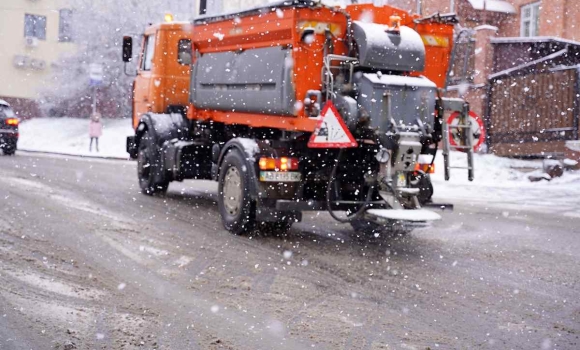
238	210
148	165
423	183
9	149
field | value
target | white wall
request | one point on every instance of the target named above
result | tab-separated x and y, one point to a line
25	82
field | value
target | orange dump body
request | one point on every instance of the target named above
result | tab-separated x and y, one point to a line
167	83
275	28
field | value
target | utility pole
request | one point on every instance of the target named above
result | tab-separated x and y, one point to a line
94	100
95	80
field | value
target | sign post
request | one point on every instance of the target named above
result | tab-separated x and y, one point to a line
95	80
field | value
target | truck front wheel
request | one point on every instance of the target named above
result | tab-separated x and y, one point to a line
236	207
148	165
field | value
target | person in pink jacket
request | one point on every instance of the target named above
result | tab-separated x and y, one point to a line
95	130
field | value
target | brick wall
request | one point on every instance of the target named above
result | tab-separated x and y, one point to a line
572	15
558	18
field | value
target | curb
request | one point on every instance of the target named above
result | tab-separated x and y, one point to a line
73	155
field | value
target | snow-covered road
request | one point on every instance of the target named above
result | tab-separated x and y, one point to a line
87	261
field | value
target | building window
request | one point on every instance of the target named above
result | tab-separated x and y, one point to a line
35	26
530	19
65	25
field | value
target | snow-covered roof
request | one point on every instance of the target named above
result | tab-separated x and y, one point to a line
493	6
529	64
400	80
248	11
4	103
534	39
564	67
486	26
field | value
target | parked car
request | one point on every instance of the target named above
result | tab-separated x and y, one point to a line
8	128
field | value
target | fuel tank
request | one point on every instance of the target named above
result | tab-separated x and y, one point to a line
379	47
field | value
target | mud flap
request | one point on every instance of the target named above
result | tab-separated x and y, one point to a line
131	147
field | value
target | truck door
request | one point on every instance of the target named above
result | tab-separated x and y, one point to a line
142	100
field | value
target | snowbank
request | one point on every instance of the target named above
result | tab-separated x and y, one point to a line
71	136
503	182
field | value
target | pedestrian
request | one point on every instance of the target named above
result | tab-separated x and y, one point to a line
95	130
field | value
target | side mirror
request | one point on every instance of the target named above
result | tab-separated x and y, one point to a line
127	49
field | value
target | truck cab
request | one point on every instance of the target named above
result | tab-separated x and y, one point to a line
163	70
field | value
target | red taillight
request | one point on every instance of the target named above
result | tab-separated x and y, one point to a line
427	168
12	121
281	164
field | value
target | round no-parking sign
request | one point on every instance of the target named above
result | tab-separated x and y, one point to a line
477	130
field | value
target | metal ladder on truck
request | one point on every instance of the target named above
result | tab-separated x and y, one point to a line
463	128
462	53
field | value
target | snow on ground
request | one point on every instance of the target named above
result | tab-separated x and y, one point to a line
71	136
499	182
503	182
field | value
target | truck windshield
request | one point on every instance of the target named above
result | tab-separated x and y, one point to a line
148	52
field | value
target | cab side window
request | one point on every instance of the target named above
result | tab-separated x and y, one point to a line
184	52
148	50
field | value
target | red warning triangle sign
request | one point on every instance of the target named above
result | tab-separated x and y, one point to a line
331	131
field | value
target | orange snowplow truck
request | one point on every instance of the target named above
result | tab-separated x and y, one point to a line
295	106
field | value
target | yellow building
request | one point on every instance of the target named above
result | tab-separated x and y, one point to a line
33	33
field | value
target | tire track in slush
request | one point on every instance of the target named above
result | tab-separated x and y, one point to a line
233	320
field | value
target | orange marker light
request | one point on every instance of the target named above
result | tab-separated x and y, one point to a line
12	121
267	163
427	168
395	23
282	164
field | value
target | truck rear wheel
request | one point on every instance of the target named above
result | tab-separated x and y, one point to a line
423	183
148	164
236	207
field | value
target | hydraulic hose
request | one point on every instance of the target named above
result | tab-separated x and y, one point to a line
360	210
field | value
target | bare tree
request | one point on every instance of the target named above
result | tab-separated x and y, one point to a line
98	29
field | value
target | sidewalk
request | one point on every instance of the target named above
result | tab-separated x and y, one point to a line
70	136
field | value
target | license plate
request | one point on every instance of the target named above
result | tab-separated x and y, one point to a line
401	180
279	176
